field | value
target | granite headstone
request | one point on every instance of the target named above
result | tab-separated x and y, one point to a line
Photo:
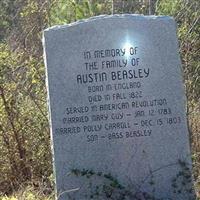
117	109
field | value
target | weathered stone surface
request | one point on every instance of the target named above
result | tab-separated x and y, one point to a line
117	107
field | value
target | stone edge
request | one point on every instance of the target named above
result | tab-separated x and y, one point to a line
102	17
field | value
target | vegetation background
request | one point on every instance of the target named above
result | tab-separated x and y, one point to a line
25	156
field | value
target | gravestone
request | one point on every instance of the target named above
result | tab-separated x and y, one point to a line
117	109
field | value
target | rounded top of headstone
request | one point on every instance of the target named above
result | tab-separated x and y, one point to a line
115	16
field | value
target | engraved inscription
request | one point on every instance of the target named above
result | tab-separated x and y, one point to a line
114	81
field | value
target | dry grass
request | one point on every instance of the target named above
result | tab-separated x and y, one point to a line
194	123
29	193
